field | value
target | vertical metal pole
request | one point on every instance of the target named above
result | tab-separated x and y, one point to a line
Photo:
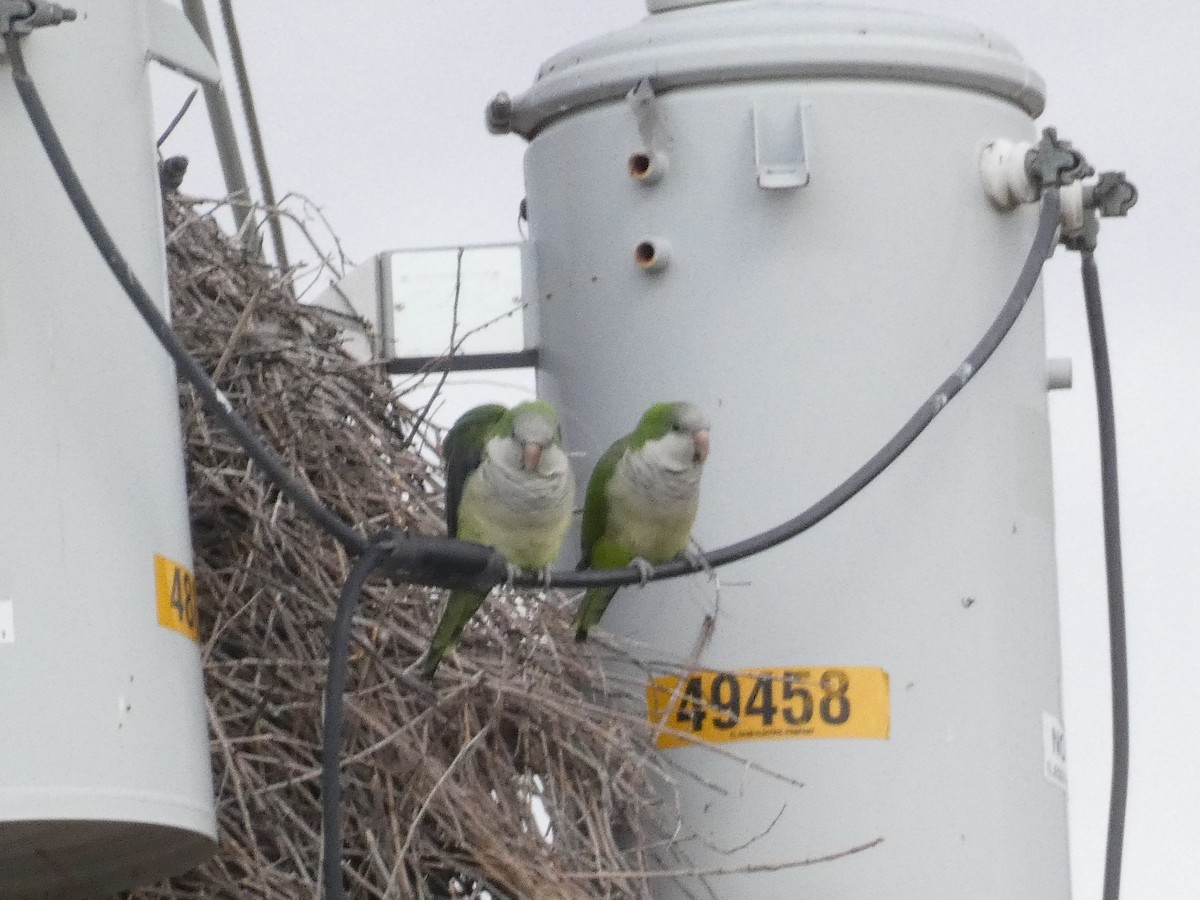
222	125
256	143
387	307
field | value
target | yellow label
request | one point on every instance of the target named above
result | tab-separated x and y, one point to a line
758	704
175	589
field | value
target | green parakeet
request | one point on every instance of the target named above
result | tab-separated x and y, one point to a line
642	499
508	485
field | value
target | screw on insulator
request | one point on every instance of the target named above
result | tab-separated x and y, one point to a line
1055	162
1111	195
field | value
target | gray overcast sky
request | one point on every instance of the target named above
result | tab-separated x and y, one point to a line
374	110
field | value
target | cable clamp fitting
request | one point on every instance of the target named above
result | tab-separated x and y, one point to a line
1055	162
441	562
1112	194
22	16
1017	172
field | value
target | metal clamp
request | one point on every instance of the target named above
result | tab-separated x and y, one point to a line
1055	162
1111	195
22	16
1016	172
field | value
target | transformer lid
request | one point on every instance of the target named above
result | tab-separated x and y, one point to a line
686	43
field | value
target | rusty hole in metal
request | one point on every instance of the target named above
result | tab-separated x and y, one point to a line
639	165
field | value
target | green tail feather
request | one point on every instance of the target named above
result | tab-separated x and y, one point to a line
459	609
595	602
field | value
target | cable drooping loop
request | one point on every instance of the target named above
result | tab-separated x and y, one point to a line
214	400
1118	652
1041	248
455	557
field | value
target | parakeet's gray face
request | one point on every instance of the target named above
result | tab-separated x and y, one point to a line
534	432
690	421
686	443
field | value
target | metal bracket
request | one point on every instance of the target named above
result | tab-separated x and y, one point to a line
779	153
462	362
173	41
641	99
22	16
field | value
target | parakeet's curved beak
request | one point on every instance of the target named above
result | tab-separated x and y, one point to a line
531	455
700	443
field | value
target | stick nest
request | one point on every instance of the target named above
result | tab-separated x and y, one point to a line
437	781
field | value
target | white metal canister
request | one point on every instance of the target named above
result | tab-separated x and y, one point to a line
105	779
775	210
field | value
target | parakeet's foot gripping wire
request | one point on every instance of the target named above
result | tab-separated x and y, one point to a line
447	562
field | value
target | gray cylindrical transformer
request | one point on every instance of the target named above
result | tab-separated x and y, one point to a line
775	210
105	778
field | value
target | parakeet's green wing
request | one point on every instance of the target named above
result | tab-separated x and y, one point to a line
595	505
459	609
597	551
605	555
464	447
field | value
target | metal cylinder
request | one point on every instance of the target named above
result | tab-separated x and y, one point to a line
833	258
105	778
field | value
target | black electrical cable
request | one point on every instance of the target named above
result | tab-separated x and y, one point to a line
1118	653
331	732
212	396
1043	244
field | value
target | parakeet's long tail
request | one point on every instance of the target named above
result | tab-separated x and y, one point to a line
595	602
459	609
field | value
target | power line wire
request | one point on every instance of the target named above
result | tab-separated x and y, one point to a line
1118	651
1043	244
